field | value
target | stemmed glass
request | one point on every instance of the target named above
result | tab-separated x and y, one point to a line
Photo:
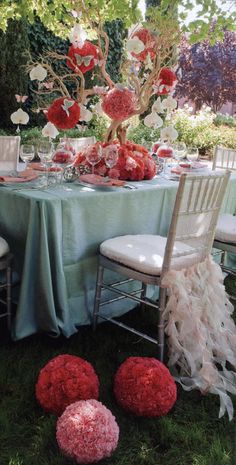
164	153
192	154
63	156
45	151
93	155
27	153
179	150
111	155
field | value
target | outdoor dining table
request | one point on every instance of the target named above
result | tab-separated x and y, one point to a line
55	233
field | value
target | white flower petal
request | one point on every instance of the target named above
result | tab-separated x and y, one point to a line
20	117
97	109
85	114
50	130
135	45
169	134
38	72
157	106
78	36
153	121
169	103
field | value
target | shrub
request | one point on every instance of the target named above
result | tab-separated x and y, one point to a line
226	120
143	135
199	130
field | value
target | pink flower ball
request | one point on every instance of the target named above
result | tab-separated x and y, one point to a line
87	431
118	103
64	380
145	387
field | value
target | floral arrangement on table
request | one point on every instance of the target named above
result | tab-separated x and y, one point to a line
145	87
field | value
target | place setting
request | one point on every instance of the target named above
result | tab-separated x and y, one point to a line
175	159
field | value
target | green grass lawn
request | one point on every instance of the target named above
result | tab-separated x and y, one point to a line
191	434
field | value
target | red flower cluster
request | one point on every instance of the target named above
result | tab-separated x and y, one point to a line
61	116
82	57
87	431
167	78
149	41
64	380
145	387
134	163
119	103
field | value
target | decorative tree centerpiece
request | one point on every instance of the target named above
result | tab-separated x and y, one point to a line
147	78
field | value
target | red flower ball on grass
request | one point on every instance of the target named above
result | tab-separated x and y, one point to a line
64	113
64	380
149	41
82	58
119	103
145	387
87	432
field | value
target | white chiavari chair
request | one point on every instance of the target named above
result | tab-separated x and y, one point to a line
147	258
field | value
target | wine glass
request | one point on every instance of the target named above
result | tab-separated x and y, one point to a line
111	155
192	154
93	155
63	156
164	153
179	150
45	151
27	153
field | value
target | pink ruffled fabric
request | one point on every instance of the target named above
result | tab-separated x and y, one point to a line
201	332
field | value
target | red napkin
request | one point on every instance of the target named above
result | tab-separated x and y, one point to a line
187	168
23	176
100	181
40	167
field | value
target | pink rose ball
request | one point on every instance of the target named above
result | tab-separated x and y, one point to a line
64	380
119	103
87	431
145	387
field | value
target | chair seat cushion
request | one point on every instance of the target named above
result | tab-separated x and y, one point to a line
144	253
226	228
4	247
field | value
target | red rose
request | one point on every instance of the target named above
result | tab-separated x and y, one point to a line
82	57
64	113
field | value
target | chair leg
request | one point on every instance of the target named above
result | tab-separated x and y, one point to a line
143	295
9	299
97	296
160	326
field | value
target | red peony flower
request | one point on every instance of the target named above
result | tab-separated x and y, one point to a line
64	380
82	57
64	113
145	387
87	432
149	41
119	103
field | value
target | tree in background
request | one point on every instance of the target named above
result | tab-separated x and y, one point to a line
207	72
13	77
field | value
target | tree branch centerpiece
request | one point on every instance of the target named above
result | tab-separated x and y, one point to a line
143	87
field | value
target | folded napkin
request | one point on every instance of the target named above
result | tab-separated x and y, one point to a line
100	181
23	176
40	167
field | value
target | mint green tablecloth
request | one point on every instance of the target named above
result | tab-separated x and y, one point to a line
55	234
